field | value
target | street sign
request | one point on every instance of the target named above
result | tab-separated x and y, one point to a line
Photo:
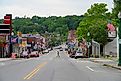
88	44
119	41
7	20
112	34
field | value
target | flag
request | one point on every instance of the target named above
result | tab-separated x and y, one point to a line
14	40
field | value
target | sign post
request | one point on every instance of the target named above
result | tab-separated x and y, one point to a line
119	16
88	45
8	20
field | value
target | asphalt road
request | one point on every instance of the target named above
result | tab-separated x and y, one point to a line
50	67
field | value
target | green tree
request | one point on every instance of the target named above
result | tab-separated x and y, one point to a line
116	8
94	21
58	25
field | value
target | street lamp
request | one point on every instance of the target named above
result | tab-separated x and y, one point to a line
88	43
11	46
12	33
119	16
88	34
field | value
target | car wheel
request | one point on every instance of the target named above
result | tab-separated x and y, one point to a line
75	57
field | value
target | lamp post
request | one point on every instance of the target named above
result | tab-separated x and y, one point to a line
119	16
11	46
88	43
88	34
12	33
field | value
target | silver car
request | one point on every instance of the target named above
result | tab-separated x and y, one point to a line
78	54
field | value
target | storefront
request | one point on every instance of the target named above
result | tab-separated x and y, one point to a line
3	51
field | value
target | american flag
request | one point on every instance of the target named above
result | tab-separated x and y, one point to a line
14	40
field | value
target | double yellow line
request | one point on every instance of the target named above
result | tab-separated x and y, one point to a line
31	74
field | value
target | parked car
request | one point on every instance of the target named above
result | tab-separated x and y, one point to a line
34	54
46	51
58	47
66	49
78	54
49	49
24	54
61	49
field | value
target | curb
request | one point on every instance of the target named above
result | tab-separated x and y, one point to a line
11	59
119	68
96	61
108	65
6	60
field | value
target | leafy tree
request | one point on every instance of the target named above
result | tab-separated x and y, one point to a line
94	21
57	25
73	22
116	8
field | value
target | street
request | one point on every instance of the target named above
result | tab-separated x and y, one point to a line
50	67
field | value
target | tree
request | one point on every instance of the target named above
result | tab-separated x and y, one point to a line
94	21
58	25
73	22
116	8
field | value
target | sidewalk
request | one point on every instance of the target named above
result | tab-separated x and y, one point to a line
5	59
106	62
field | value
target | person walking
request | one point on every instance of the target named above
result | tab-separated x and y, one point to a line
58	54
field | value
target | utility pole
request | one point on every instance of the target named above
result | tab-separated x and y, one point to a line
10	45
8	20
119	16
88	43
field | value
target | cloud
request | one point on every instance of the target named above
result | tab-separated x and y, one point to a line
47	7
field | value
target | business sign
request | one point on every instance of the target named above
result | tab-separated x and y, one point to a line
4	29
7	20
31	39
112	33
24	42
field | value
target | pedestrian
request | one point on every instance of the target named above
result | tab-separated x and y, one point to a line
58	55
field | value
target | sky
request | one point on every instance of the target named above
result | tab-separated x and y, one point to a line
45	8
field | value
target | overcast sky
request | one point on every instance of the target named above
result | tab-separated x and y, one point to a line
47	7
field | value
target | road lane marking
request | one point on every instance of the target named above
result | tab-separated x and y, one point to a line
35	71
89	68
32	73
2	64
